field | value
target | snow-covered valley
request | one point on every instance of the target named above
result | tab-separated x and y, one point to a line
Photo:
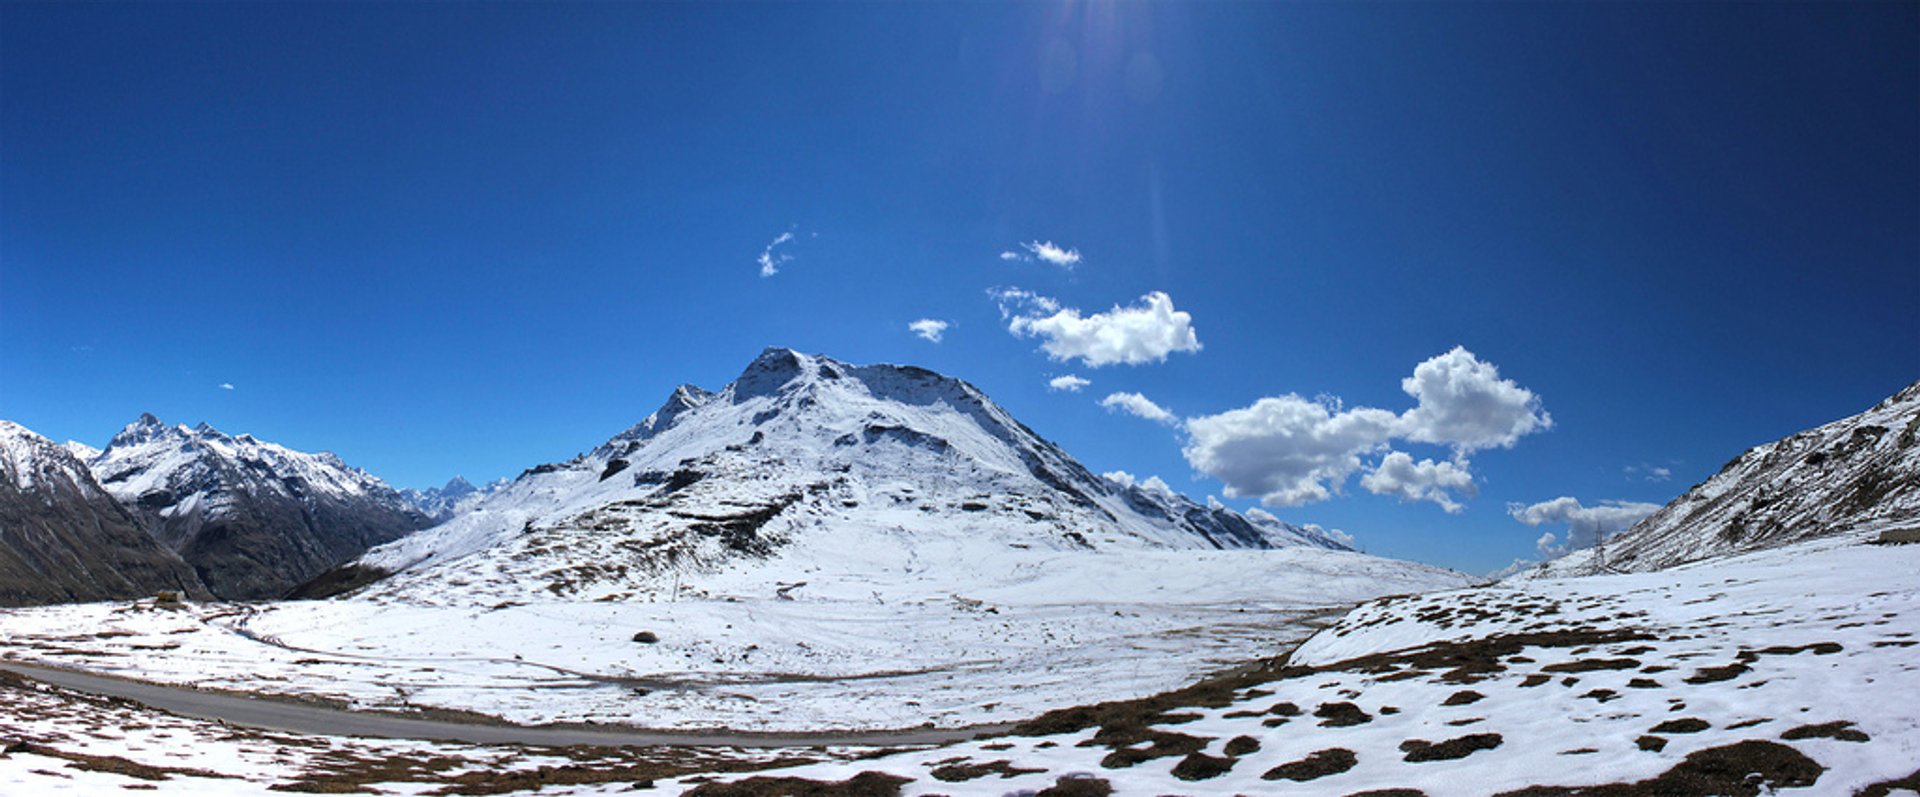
1035	632
1784	671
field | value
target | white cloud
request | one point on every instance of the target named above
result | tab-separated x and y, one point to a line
1464	403
1398	475
1139	406
929	328
1013	256
226	385
1585	524
1288	450
1070	383
1314	528
1652	473
1150	484
1018	301
769	260
1516	566
1059	256
1145	333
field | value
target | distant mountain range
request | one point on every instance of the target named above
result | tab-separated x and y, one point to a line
804	464
1856	474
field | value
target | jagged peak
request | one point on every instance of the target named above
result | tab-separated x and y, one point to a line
145	428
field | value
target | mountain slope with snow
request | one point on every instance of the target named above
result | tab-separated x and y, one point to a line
253	518
815	463
63	538
1854	473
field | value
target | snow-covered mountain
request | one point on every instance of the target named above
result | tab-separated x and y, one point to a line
802	463
441	503
63	538
1859	473
253	518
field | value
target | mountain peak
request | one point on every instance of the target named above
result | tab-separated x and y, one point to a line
145	428
772	370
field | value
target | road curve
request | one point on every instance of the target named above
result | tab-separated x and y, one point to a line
285	715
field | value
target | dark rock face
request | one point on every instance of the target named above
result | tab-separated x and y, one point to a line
253	519
64	539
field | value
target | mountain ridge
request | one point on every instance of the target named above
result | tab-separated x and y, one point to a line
63	538
254	518
796	444
1854	475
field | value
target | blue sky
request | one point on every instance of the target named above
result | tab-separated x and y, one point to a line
469	239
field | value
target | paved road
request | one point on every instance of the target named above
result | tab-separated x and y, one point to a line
285	715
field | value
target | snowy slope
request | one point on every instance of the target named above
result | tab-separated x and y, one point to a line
1772	672
62	538
252	517
802	464
1853	473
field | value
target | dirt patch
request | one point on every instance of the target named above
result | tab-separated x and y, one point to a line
865	784
1161	744
1602	695
1200	766
1341	715
1078	786
1418	750
1389	793
1462	697
1709	675
955	773
1682	725
1842	731
1888	787
1651	744
1318	764
1592	665
1741	769
1535	680
1241	745
108	763
1643	683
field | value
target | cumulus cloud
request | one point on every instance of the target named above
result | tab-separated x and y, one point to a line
226	385
929	328
1285	450
770	260
1464	403
1585	524
1059	256
1045	252
1398	475
1288	450
1333	534
1139	406
1144	333
1150	484
1070	383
